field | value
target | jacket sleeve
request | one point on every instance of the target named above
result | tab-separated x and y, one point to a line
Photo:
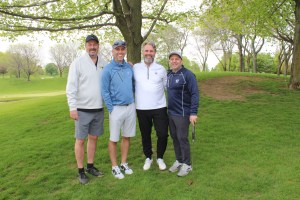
72	87
165	78
105	89
133	82
195	96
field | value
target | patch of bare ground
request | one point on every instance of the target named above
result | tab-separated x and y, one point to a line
230	88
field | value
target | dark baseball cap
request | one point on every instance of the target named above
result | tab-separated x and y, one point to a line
118	43
175	53
91	37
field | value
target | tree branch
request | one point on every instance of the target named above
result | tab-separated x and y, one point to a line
160	19
55	19
25	28
155	20
33	4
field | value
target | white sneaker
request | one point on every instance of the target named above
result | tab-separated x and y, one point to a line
127	170
117	172
184	170
147	164
175	167
161	164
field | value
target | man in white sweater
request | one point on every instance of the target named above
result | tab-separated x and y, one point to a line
85	103
150	82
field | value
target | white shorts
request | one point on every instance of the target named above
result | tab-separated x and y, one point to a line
122	118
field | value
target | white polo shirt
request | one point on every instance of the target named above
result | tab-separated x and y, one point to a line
150	84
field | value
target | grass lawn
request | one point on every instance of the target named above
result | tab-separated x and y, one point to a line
243	150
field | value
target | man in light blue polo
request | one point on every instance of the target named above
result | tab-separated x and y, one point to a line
117	92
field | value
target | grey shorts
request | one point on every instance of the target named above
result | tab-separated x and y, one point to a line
122	118
89	123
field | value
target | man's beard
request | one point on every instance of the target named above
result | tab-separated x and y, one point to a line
148	59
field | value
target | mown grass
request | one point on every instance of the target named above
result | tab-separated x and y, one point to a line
36	85
243	150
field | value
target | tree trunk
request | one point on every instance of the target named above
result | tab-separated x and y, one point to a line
229	60
241	55
19	72
249	63
295	69
129	21
254	56
286	62
134	52
254	59
280	59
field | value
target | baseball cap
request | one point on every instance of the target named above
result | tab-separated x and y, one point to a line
91	37
175	53
118	43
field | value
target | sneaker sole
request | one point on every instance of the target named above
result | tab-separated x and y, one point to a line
119	177
145	169
184	174
100	175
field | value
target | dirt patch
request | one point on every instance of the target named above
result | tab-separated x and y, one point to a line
230	87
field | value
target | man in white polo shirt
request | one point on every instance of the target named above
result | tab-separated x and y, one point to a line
150	82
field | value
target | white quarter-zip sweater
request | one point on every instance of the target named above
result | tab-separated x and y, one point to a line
84	83
150	84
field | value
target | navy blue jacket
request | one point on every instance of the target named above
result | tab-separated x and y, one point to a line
183	93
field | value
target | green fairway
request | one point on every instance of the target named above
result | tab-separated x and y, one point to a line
243	149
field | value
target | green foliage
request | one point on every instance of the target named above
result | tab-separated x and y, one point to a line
3	69
239	16
51	69
243	150
266	63
191	65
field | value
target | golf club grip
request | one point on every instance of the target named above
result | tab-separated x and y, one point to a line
193	133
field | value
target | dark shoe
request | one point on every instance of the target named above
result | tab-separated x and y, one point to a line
94	171
83	179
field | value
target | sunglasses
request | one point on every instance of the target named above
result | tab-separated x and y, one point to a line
119	43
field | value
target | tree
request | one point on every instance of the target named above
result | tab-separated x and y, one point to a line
266	63
169	38
3	69
295	72
203	42
63	55
26	58
55	16
283	57
51	69
16	60
4	63
272	18
254	47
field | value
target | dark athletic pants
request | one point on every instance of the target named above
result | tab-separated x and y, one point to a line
159	118
179	131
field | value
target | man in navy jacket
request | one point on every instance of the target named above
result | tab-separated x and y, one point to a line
183	102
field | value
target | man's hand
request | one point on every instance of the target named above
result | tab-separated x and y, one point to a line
74	114
193	119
